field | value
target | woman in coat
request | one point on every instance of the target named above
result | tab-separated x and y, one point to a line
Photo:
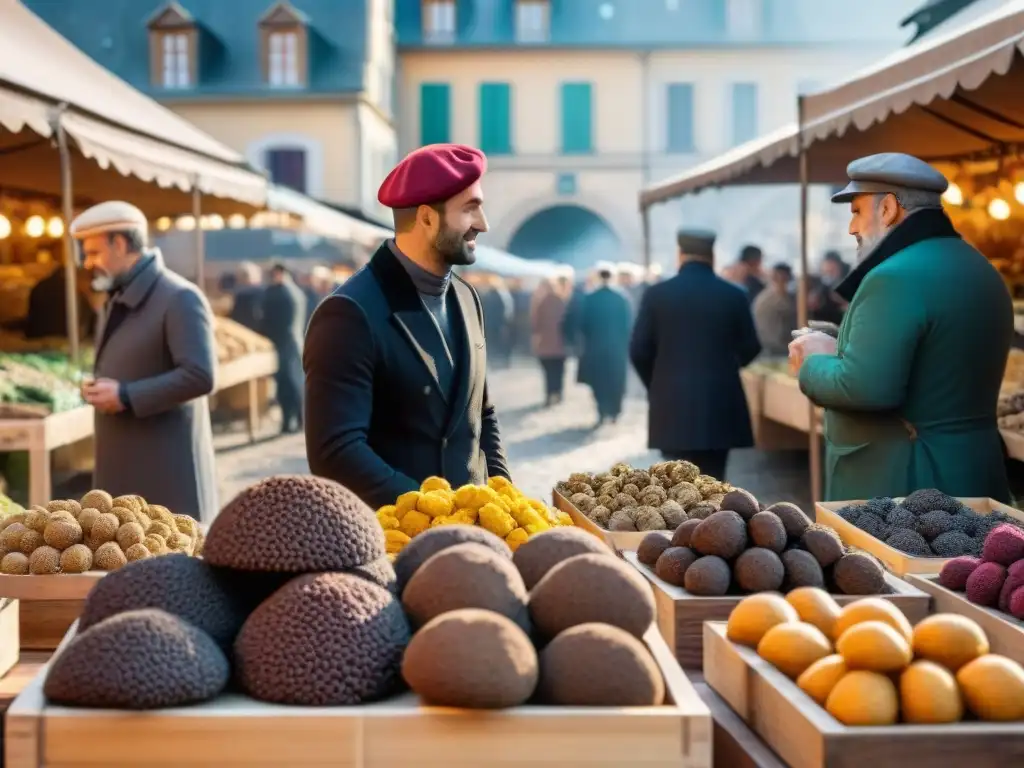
547	316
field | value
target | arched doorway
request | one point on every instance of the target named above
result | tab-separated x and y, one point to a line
567	233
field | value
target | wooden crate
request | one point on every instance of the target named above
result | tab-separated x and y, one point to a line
10	645
617	540
784	403
769	435
1005	633
235	730
48	605
806	736
896	561
681	616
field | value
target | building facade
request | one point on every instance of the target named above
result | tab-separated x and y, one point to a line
581	103
303	89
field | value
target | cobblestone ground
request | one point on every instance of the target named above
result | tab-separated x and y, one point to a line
544	445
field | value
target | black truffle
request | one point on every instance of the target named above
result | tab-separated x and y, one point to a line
929	499
471	658
682	534
767	530
881	505
465	576
874	525
741	502
955	544
671	566
824	544
724	534
588	588
708	577
909	542
900	517
294	524
758	570
858	573
651	547
543	551
935	523
629	675
146	659
323	639
851	512
802	570
433	540
181	585
793	518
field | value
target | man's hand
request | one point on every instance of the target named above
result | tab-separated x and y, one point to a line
809	343
104	395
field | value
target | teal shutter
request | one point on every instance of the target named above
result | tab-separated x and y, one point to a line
496	118
744	112
577	107
679	114
435	113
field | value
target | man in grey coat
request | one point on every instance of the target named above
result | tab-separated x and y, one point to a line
155	365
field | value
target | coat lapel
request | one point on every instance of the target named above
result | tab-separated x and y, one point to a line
407	311
133	295
472	349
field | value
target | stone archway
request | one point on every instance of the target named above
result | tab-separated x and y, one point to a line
567	233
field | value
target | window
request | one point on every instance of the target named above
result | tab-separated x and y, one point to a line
496	118
533	21
576	105
177	65
744	112
439	21
283	59
435	113
679	118
745	18
287	167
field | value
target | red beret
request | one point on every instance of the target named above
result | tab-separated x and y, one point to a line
431	174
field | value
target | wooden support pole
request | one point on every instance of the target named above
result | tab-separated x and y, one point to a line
70	251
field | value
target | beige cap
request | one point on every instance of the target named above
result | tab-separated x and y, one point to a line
112	216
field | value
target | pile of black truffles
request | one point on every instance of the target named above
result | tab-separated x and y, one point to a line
656	499
296	603
927	523
743	549
496	630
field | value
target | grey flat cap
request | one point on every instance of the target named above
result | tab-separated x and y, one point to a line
696	242
112	216
889	172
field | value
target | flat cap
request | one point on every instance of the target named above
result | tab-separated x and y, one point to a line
431	174
696	242
112	216
890	172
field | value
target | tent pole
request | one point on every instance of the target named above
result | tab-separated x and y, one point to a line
200	235
813	441
645	213
70	254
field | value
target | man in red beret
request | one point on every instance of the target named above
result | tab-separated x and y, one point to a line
395	362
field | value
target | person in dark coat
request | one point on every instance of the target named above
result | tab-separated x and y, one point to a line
155	366
284	322
604	325
395	359
248	304
499	316
693	334
48	309
751	271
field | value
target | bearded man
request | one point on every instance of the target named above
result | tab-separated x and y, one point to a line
910	386
395	362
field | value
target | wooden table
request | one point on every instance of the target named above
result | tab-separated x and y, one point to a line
39	437
248	370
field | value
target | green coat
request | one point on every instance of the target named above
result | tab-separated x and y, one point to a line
910	398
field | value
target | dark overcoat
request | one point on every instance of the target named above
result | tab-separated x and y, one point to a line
378	419
604	322
910	397
693	334
283	321
161	447
248	307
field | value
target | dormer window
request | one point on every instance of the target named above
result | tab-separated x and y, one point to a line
438	21
533	21
173	43
283	34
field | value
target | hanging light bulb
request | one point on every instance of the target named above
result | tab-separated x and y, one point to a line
213	221
164	223
237	221
186	223
1018	192
35	226
5	227
55	227
953	195
999	209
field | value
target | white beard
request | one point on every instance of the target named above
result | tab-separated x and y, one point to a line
868	243
102	283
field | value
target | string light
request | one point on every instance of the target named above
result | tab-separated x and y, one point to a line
213	221
237	221
35	226
5	227
164	223
186	223
953	195
999	209
1018	192
55	227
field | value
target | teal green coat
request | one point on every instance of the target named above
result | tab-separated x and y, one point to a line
910	398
